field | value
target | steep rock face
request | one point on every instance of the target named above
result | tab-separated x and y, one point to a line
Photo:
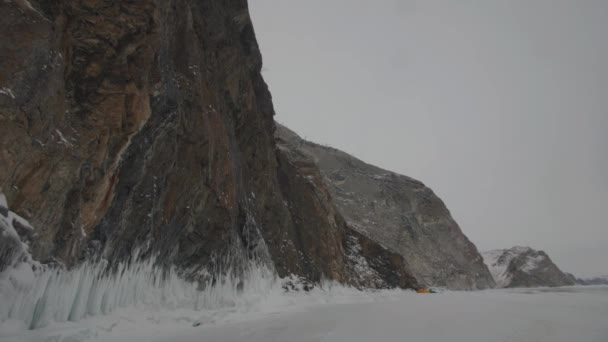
146	125
320	233
398	212
133	124
524	267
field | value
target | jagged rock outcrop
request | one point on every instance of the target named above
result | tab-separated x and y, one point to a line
398	212
146	125
524	267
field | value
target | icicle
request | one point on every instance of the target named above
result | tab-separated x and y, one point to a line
38	294
59	295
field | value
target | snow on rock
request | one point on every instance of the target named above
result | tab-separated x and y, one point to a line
524	267
36	295
26	5
498	269
15	232
8	92
532	263
360	264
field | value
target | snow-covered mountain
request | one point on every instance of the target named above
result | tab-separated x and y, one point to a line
524	267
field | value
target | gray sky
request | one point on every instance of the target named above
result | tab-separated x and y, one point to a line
500	106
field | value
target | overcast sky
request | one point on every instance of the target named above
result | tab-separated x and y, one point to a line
500	106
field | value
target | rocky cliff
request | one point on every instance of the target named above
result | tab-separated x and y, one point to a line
146	126
524	267
398	212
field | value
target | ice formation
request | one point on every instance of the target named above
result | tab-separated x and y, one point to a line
38	294
57	295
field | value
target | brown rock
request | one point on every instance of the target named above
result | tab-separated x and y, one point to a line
146	125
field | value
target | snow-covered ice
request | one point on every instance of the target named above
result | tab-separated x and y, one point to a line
497	315
341	314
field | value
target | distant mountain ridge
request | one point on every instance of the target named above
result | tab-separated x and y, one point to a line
601	280
524	267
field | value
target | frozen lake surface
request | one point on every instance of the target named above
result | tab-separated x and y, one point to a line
510	315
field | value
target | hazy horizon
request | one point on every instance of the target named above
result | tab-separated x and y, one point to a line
500	107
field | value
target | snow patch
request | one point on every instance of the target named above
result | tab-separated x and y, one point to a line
64	140
499	260
8	92
498	270
532	263
359	263
13	250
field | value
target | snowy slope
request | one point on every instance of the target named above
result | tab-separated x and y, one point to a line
499	260
498	269
524	267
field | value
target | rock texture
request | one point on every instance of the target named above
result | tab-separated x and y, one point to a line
319	231
146	125
524	267
398	212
